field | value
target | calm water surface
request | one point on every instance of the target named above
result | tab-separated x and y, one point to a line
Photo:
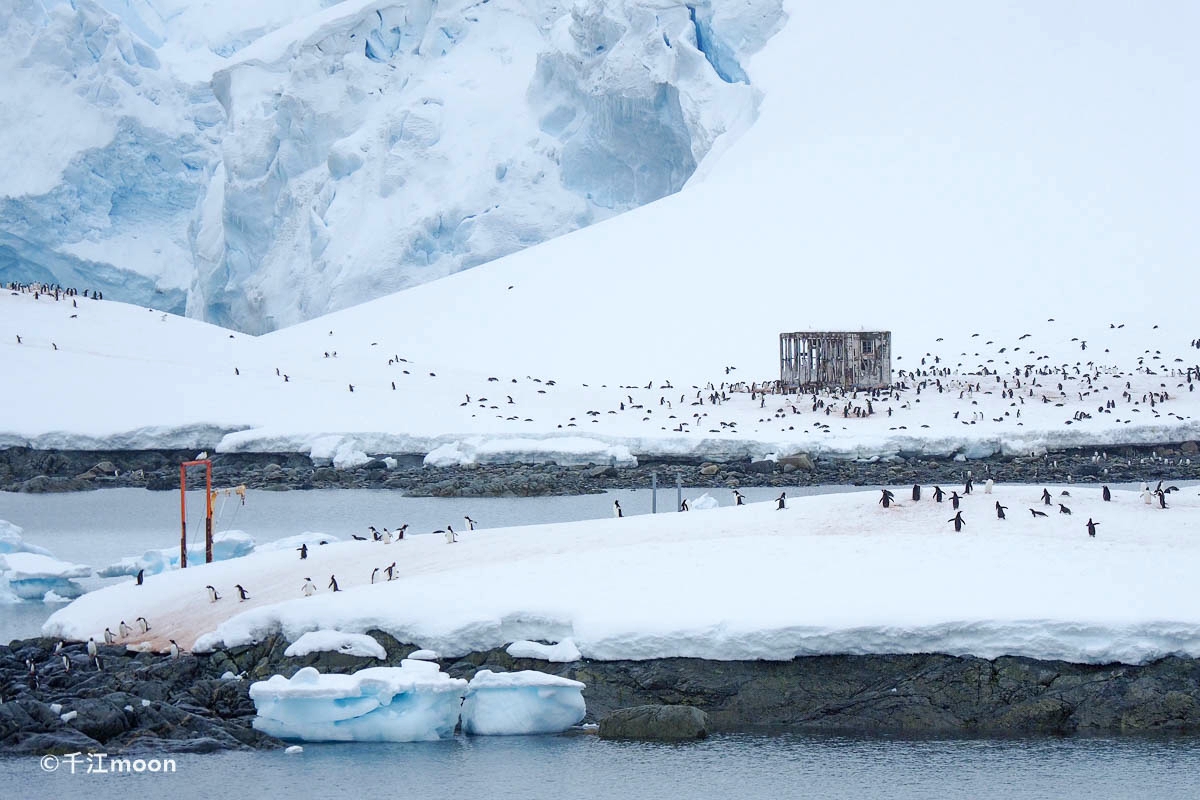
725	766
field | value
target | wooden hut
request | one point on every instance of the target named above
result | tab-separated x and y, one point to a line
810	360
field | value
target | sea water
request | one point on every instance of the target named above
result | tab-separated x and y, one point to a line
728	766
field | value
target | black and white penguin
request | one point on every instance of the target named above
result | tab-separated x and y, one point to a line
1162	498
387	536
1037	513
303	548
91	647
968	485
141	574
97	664
143	625
1063	509
1046	496
124	629
66	662
333	584
374	572
309	588
987	486
470	523
243	595
683	506
108	636
781	501
958	521
358	538
174	648
916	493
617	512
451	536
391	571
738	499
1091	527
1000	510
938	494
59	647
887	498
954	498
1106	494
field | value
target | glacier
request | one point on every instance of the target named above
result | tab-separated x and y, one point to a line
258	165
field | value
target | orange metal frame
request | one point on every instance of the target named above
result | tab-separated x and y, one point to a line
208	510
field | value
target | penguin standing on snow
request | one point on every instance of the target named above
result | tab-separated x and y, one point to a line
938	494
1046	496
451	536
738	499
333	583
108	636
683	506
781	501
958	522
303	548
1063	509
391	571
124	629
309	588
174	648
1091	527
470	523
970	484
141	574
916	494
212	594
1000	510
987	487
374	572
617	512
1106	494
1162	498
143	626
887	499
954	498
243	595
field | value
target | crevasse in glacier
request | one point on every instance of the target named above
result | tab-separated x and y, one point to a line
261	164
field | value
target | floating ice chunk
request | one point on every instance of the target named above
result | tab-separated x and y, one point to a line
413	702
703	502
11	541
293	750
500	704
54	597
563	652
350	644
226	545
31	576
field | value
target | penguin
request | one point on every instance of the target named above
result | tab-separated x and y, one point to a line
98	664
617	512
954	498
91	647
738	498
303	548
333	583
451	536
387	536
683	506
308	588
243	595
1162	498
1063	509
781	501
391	571
143	625
1106	494
141	574
916	493
400	531
1091	527
357	538
66	662
212	594
470	523
970	483
124	629
1000	510
1037	513
938	494
108	636
374	572
1046	496
887	498
987	486
174	648
958	522
59	647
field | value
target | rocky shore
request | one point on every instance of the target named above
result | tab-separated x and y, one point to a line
200	703
27	470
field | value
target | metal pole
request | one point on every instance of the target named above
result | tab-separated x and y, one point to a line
678	492
653	492
208	509
182	516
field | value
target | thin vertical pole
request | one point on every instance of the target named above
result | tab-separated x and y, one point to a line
182	516
678	492
653	492
208	512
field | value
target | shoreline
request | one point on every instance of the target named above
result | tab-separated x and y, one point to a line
191	704
46	471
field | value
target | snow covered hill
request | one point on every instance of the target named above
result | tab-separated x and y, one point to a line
827	574
259	164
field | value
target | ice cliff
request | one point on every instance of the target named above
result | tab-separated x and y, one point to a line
261	164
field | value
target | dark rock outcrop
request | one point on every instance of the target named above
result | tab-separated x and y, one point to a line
655	723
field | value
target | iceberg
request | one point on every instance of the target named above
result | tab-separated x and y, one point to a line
411	703
508	703
226	545
31	576
11	541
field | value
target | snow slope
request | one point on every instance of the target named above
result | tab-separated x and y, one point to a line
259	164
828	574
